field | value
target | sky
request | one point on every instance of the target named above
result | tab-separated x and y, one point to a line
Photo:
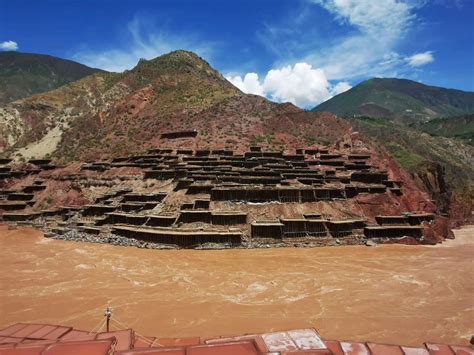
299	51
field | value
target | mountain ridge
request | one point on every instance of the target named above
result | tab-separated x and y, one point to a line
401	100
97	111
26	74
115	114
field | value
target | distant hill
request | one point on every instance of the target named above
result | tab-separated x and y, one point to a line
460	127
25	74
438	162
400	100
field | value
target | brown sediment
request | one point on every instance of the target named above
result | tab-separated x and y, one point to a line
389	293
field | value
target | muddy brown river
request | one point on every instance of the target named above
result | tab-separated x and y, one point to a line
391	294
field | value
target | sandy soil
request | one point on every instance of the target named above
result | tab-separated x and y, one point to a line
46	145
390	294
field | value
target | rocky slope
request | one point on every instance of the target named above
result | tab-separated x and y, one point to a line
399	100
442	166
459	127
414	123
25	74
112	113
107	115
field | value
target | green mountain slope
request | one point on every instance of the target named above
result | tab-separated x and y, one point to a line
25	74
400	100
459	127
442	166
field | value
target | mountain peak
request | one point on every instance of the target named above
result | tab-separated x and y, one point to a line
25	74
180	67
173	60
399	99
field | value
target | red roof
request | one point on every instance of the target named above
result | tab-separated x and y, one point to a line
45	339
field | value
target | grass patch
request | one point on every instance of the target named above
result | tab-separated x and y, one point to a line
409	161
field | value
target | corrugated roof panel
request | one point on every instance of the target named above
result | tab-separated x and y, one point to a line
334	346
462	350
383	349
42	339
351	348
12	329
306	339
27	330
279	341
25	349
45	329
124	338
238	348
96	347
10	340
57	333
255	338
439	349
50	332
76	335
170	342
143	342
305	352
154	351
414	351
38	341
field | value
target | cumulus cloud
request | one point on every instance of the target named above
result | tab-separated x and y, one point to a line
142	40
364	45
378	27
420	59
340	87
250	84
300	84
8	46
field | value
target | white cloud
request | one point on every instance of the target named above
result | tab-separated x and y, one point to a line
250	84
365	44
300	84
8	46
143	40
388	17
340	87
420	59
378	26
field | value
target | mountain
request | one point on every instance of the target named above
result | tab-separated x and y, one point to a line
115	114
399	100
414	123
25	74
440	165
459	127
112	113
109	114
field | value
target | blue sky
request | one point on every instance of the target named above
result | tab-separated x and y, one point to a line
302	51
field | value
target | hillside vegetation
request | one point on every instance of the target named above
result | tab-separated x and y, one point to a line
25	74
110	113
459	127
399	100
442	166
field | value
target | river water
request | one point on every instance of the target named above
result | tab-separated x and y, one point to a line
390	294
